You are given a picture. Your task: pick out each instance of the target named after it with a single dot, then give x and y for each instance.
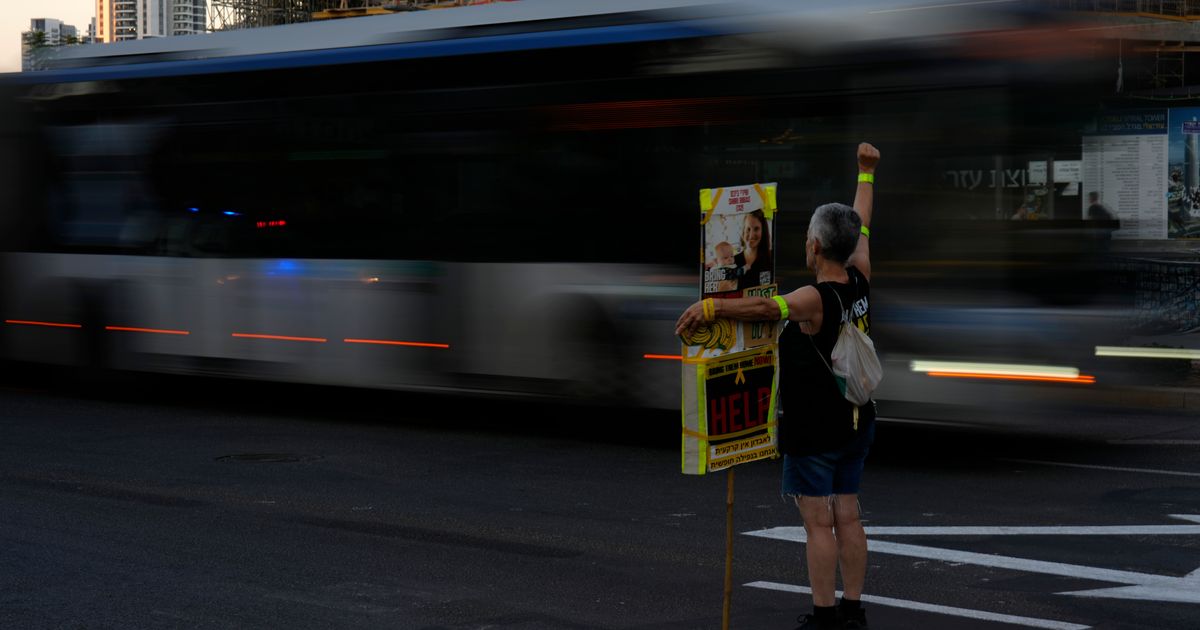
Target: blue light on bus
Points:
(193, 209)
(231, 213)
(285, 268)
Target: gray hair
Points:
(835, 226)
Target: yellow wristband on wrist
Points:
(865, 231)
(783, 307)
(868, 178)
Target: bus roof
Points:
(521, 25)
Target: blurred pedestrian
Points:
(825, 438)
(1097, 211)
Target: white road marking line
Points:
(796, 534)
(1158, 587)
(1046, 530)
(1175, 473)
(935, 608)
(1151, 593)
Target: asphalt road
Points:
(157, 503)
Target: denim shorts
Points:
(826, 474)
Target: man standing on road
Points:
(825, 439)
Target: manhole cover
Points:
(266, 458)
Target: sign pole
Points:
(730, 368)
(728, 552)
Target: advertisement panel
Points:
(1125, 169)
(1183, 177)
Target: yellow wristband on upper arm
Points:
(783, 307)
(865, 231)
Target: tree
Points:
(34, 39)
(34, 45)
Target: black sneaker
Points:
(810, 622)
(856, 620)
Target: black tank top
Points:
(817, 418)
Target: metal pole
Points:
(998, 182)
(728, 552)
(1050, 187)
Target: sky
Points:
(15, 16)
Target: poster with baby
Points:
(738, 250)
(729, 368)
(738, 260)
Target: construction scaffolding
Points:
(235, 14)
(1159, 33)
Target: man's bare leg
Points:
(851, 544)
(822, 548)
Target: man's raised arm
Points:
(864, 201)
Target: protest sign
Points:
(730, 375)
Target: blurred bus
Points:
(501, 200)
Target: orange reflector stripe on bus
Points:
(24, 322)
(387, 342)
(1082, 378)
(280, 337)
(667, 357)
(147, 330)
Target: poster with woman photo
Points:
(737, 246)
(737, 241)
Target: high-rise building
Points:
(122, 20)
(44, 33)
(189, 17)
(52, 29)
(116, 20)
